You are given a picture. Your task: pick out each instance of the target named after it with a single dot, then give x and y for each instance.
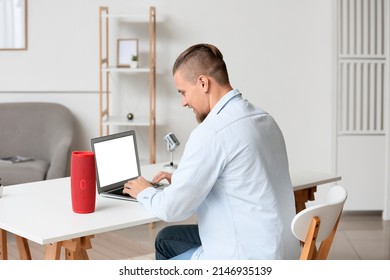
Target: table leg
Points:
(303, 196)
(53, 251)
(86, 244)
(72, 249)
(3, 245)
(23, 248)
(75, 249)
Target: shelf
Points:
(129, 18)
(126, 70)
(108, 91)
(132, 18)
(120, 120)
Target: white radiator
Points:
(361, 66)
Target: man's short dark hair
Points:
(202, 59)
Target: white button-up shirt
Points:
(234, 175)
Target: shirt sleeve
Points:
(198, 170)
(145, 197)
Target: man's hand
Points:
(161, 176)
(135, 186)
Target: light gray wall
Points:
(279, 54)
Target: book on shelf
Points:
(15, 159)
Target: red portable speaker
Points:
(83, 181)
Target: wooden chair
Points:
(318, 224)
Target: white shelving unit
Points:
(106, 69)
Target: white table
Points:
(42, 212)
(305, 184)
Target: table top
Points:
(303, 179)
(42, 211)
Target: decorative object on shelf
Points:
(127, 48)
(134, 62)
(172, 143)
(130, 116)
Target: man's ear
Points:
(203, 83)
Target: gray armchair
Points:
(42, 131)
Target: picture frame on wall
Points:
(13, 25)
(127, 49)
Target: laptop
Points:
(117, 161)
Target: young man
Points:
(233, 173)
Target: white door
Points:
(362, 78)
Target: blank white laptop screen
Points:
(116, 160)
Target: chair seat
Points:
(23, 172)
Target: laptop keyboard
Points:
(120, 190)
(157, 185)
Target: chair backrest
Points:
(40, 130)
(318, 223)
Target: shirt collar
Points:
(223, 102)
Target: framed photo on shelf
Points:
(127, 51)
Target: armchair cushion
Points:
(23, 172)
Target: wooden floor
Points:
(360, 236)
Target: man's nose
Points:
(184, 102)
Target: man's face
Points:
(194, 96)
